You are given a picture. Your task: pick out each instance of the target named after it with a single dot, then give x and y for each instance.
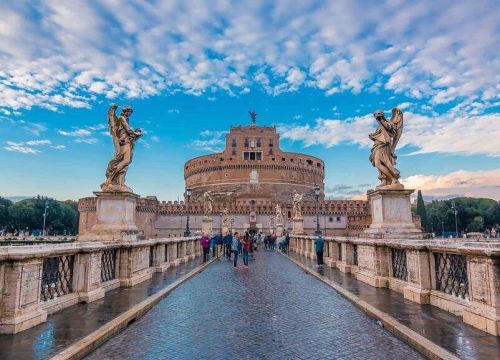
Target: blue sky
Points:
(317, 70)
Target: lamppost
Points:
(45, 216)
(317, 192)
(189, 191)
(455, 211)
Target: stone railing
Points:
(453, 274)
(38, 280)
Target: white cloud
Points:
(212, 141)
(438, 51)
(75, 133)
(173, 111)
(463, 183)
(30, 147)
(89, 140)
(20, 148)
(155, 138)
(448, 134)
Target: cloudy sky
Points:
(190, 69)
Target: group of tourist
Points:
(244, 245)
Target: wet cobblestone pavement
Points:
(272, 311)
(439, 326)
(65, 327)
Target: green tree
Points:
(477, 224)
(5, 204)
(421, 211)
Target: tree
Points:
(5, 204)
(421, 211)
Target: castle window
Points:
(252, 155)
(270, 151)
(271, 143)
(233, 143)
(233, 152)
(246, 142)
(318, 165)
(338, 218)
(258, 142)
(309, 162)
(330, 219)
(282, 159)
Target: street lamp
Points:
(45, 216)
(189, 191)
(317, 192)
(455, 211)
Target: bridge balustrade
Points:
(38, 280)
(457, 275)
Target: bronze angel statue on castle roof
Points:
(383, 154)
(124, 138)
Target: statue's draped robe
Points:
(123, 137)
(381, 155)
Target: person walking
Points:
(205, 245)
(319, 244)
(287, 242)
(247, 243)
(235, 245)
(228, 239)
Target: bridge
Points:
(90, 301)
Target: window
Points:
(270, 151)
(246, 142)
(252, 155)
(338, 218)
(271, 143)
(309, 162)
(318, 165)
(233, 142)
(330, 219)
(258, 142)
(233, 152)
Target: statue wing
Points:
(397, 123)
(112, 122)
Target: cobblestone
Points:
(271, 311)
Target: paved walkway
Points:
(439, 326)
(272, 311)
(71, 324)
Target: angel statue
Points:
(383, 155)
(208, 202)
(297, 205)
(123, 140)
(279, 216)
(225, 217)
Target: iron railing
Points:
(355, 254)
(108, 265)
(451, 274)
(399, 267)
(57, 277)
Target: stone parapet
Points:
(456, 275)
(38, 280)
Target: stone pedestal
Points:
(391, 214)
(115, 218)
(279, 230)
(298, 226)
(88, 277)
(20, 296)
(134, 266)
(207, 225)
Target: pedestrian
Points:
(287, 242)
(228, 239)
(235, 245)
(266, 242)
(213, 240)
(247, 243)
(319, 244)
(205, 245)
